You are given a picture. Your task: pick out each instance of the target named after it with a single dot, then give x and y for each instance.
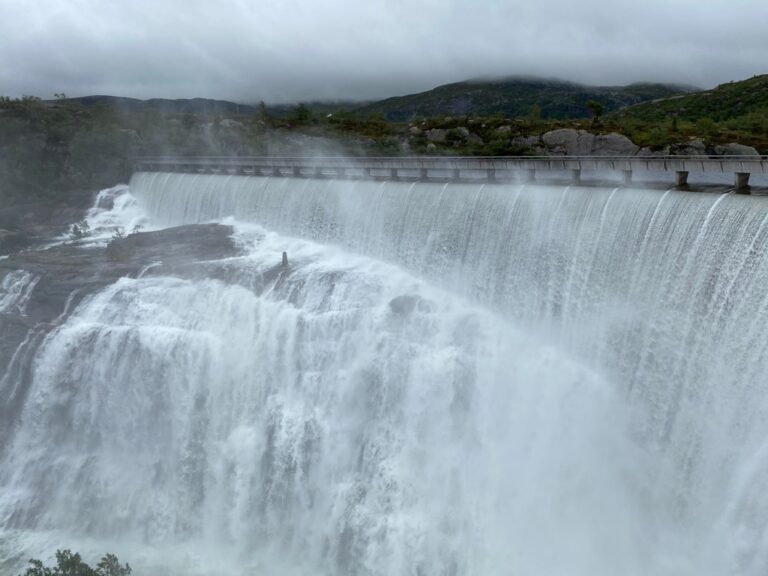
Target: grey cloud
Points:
(302, 49)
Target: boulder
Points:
(694, 147)
(613, 145)
(736, 149)
(570, 142)
(437, 135)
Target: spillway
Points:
(447, 379)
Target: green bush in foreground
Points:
(69, 564)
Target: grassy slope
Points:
(725, 102)
(515, 98)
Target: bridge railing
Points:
(455, 167)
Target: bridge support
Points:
(681, 178)
(576, 176)
(741, 182)
(626, 176)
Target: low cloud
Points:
(290, 50)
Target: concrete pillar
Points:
(681, 178)
(456, 174)
(576, 176)
(491, 174)
(741, 182)
(423, 174)
(627, 176)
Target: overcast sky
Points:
(290, 50)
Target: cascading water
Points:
(446, 379)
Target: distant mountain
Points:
(197, 106)
(516, 97)
(725, 102)
(202, 106)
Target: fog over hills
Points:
(511, 97)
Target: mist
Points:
(302, 50)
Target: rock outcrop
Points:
(571, 142)
(736, 149)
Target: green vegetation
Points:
(515, 97)
(69, 564)
(65, 148)
(732, 112)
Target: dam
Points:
(455, 169)
(447, 377)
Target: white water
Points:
(15, 291)
(451, 379)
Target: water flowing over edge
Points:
(606, 395)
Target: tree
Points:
(69, 564)
(535, 114)
(595, 108)
(302, 115)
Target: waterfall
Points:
(446, 379)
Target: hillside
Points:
(726, 102)
(197, 106)
(515, 98)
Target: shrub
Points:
(69, 564)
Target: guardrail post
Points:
(741, 181)
(576, 176)
(681, 178)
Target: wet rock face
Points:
(72, 268)
(39, 288)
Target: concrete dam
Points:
(449, 376)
